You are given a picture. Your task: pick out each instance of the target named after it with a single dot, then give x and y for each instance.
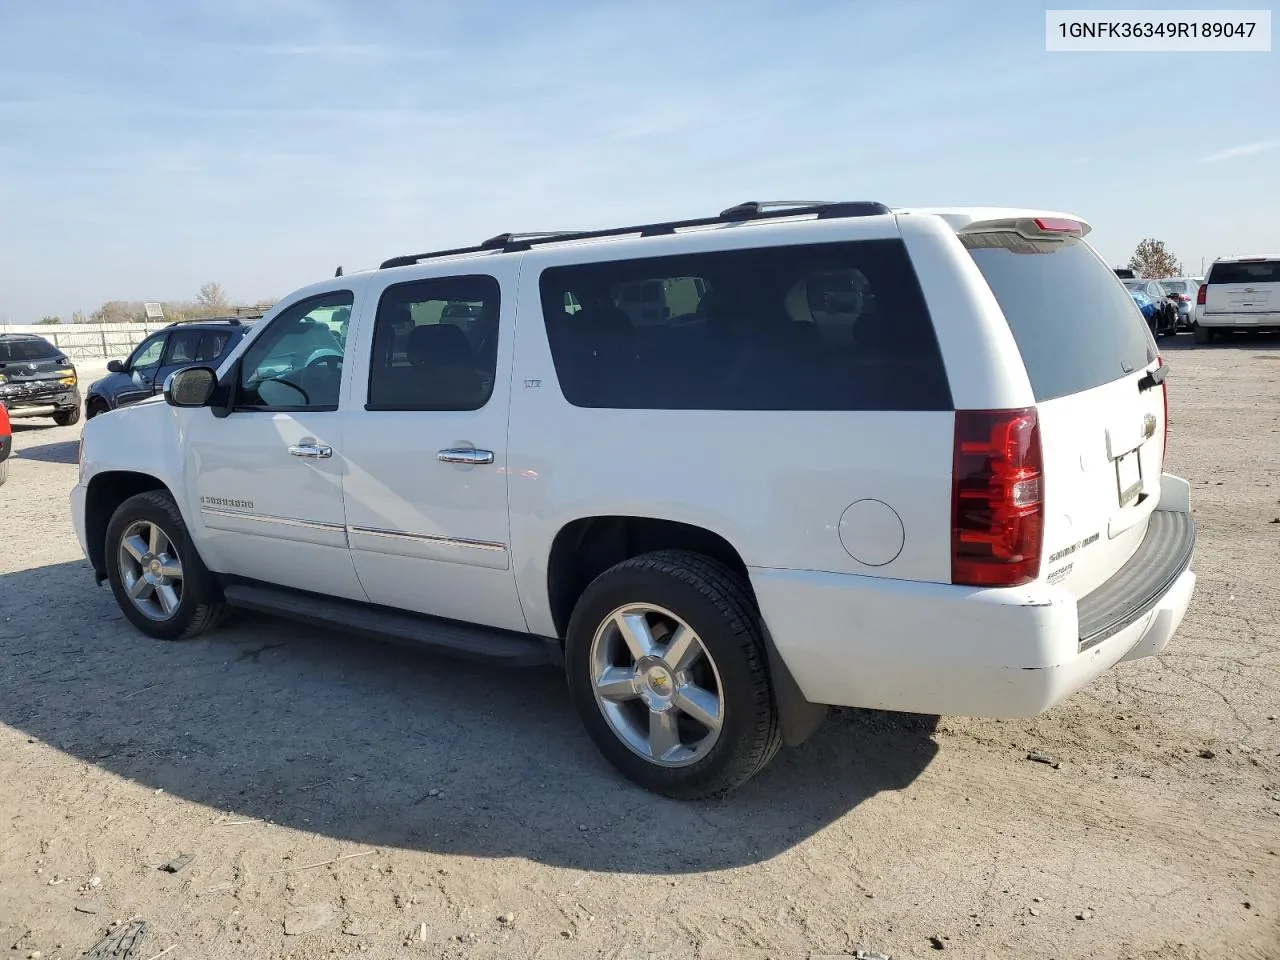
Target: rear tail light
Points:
(1200, 294)
(997, 498)
(1059, 225)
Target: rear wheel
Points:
(668, 670)
(4, 470)
(158, 578)
(65, 418)
(1202, 334)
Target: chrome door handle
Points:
(465, 455)
(313, 451)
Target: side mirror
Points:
(115, 366)
(190, 387)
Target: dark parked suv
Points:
(37, 379)
(178, 345)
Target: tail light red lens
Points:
(997, 498)
(1200, 294)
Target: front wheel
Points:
(158, 578)
(668, 670)
(66, 418)
(96, 407)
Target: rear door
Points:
(1087, 352)
(1249, 290)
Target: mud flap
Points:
(800, 719)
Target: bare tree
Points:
(79, 317)
(50, 320)
(1152, 261)
(211, 300)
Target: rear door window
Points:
(435, 345)
(839, 326)
(183, 347)
(1252, 271)
(212, 343)
(1075, 324)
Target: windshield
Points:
(1073, 324)
(22, 351)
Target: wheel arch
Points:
(105, 492)
(586, 547)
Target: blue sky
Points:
(148, 147)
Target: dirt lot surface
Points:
(342, 799)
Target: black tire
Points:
(200, 607)
(67, 418)
(716, 603)
(4, 470)
(95, 407)
(1203, 335)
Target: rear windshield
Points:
(1176, 286)
(1258, 271)
(20, 351)
(1075, 324)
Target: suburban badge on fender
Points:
(1148, 426)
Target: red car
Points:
(6, 443)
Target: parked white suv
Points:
(859, 456)
(1238, 293)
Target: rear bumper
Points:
(940, 649)
(1238, 321)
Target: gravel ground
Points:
(342, 799)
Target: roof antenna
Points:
(338, 272)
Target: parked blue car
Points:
(176, 346)
(1152, 312)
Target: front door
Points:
(267, 478)
(142, 368)
(426, 488)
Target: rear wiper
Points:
(1153, 379)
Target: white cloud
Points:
(1242, 150)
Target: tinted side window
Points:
(212, 344)
(435, 345)
(183, 346)
(1257, 271)
(1075, 325)
(819, 327)
(296, 362)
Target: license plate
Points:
(1129, 477)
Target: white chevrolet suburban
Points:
(1238, 293)
(851, 455)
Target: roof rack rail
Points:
(751, 210)
(231, 321)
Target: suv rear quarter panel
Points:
(775, 484)
(983, 363)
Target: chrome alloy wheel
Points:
(150, 570)
(656, 684)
